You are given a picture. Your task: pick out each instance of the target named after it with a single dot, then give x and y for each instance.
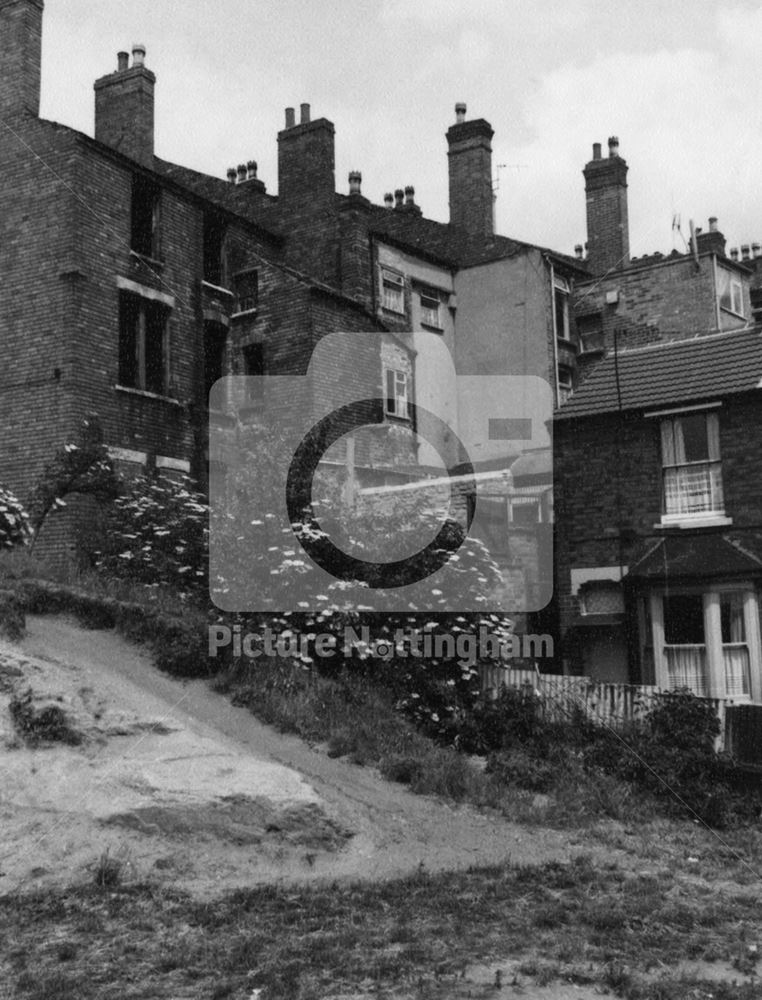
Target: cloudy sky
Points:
(676, 80)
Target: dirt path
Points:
(180, 786)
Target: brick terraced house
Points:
(659, 546)
(133, 283)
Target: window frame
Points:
(671, 465)
(146, 200)
(431, 318)
(730, 299)
(245, 302)
(396, 280)
(715, 675)
(133, 372)
(394, 396)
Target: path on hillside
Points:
(183, 787)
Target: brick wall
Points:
(21, 33)
(671, 298)
(607, 218)
(470, 176)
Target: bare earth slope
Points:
(181, 786)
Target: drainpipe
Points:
(555, 331)
(714, 288)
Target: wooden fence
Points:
(562, 698)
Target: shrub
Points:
(157, 536)
(671, 755)
(14, 521)
(41, 723)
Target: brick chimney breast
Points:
(470, 173)
(20, 57)
(124, 108)
(608, 236)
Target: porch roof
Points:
(673, 372)
(695, 557)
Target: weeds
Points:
(305, 943)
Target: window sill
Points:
(244, 314)
(401, 314)
(143, 258)
(732, 312)
(211, 287)
(132, 391)
(432, 328)
(707, 520)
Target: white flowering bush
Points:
(158, 536)
(14, 521)
(414, 653)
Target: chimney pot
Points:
(734, 253)
(745, 252)
(290, 117)
(122, 61)
(712, 223)
(756, 250)
(460, 112)
(232, 174)
(613, 146)
(305, 113)
(241, 173)
(410, 194)
(251, 170)
(389, 199)
(596, 151)
(399, 198)
(578, 251)
(355, 182)
(138, 56)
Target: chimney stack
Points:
(712, 241)
(20, 57)
(232, 175)
(124, 101)
(306, 159)
(470, 169)
(389, 200)
(399, 198)
(608, 234)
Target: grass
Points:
(411, 937)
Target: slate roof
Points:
(680, 371)
(441, 242)
(241, 200)
(449, 244)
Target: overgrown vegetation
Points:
(581, 923)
